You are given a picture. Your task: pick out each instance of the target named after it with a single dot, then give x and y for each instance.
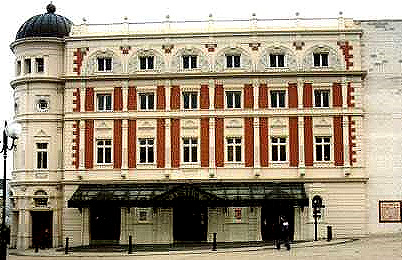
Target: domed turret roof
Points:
(45, 25)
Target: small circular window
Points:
(43, 105)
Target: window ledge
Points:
(324, 164)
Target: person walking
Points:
(283, 234)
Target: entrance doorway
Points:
(42, 222)
(270, 219)
(105, 225)
(190, 223)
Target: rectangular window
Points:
(147, 101)
(321, 98)
(189, 62)
(104, 151)
(104, 64)
(277, 60)
(41, 155)
(278, 145)
(18, 72)
(190, 100)
(146, 150)
(147, 63)
(322, 149)
(104, 102)
(320, 59)
(40, 65)
(190, 150)
(27, 66)
(233, 61)
(278, 98)
(233, 99)
(233, 149)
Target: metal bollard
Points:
(329, 233)
(214, 243)
(66, 248)
(130, 244)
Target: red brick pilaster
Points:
(350, 95)
(132, 98)
(293, 141)
(118, 99)
(338, 140)
(117, 143)
(76, 144)
(175, 142)
(248, 96)
(352, 140)
(204, 97)
(249, 141)
(89, 99)
(89, 144)
(132, 144)
(337, 95)
(264, 142)
(204, 142)
(219, 143)
(161, 145)
(263, 96)
(77, 100)
(346, 51)
(160, 98)
(175, 98)
(219, 99)
(293, 97)
(78, 58)
(308, 141)
(308, 95)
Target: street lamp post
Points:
(12, 131)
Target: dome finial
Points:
(51, 8)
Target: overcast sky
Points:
(16, 12)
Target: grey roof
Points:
(45, 25)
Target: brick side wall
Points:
(118, 99)
(293, 142)
(175, 142)
(77, 100)
(308, 141)
(76, 144)
(160, 98)
(264, 155)
(204, 97)
(132, 144)
(161, 143)
(132, 98)
(175, 98)
(248, 96)
(307, 95)
(249, 141)
(293, 98)
(338, 140)
(89, 99)
(219, 96)
(204, 142)
(337, 95)
(219, 143)
(263, 96)
(89, 144)
(117, 143)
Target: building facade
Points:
(178, 131)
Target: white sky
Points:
(16, 12)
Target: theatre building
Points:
(172, 131)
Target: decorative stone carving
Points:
(334, 60)
(245, 59)
(91, 67)
(202, 59)
(290, 58)
(134, 61)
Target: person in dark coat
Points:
(284, 233)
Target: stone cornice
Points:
(24, 80)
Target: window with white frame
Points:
(39, 65)
(277, 60)
(147, 101)
(320, 59)
(104, 102)
(104, 151)
(233, 61)
(278, 149)
(27, 66)
(189, 61)
(322, 148)
(190, 100)
(233, 146)
(278, 98)
(321, 98)
(104, 64)
(146, 150)
(41, 156)
(233, 99)
(190, 150)
(147, 63)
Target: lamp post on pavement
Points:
(13, 131)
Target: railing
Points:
(199, 26)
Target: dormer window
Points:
(189, 62)
(320, 59)
(147, 63)
(104, 64)
(233, 61)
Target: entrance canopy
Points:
(213, 194)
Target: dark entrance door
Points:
(190, 223)
(270, 218)
(42, 222)
(105, 225)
